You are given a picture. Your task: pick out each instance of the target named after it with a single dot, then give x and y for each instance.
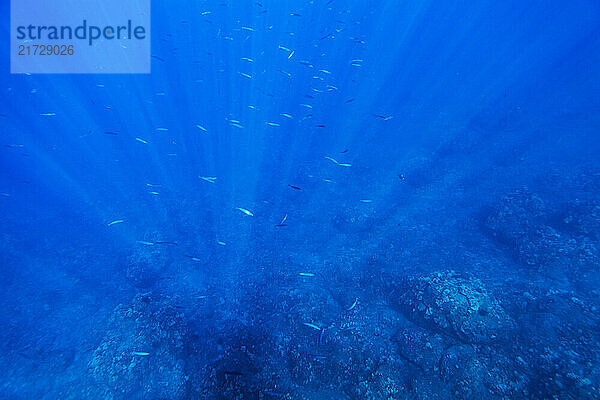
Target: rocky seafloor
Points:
(509, 311)
(371, 334)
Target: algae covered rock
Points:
(459, 306)
(140, 356)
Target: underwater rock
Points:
(473, 375)
(455, 305)
(250, 363)
(463, 369)
(232, 354)
(140, 356)
(466, 358)
(560, 257)
(523, 222)
(566, 372)
(542, 246)
(421, 347)
(386, 383)
(583, 218)
(519, 213)
(309, 394)
(145, 266)
(562, 346)
(291, 338)
(557, 255)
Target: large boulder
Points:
(456, 305)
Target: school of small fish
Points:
(293, 59)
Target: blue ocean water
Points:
(323, 199)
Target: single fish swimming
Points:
(312, 326)
(117, 221)
(247, 212)
(353, 305)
